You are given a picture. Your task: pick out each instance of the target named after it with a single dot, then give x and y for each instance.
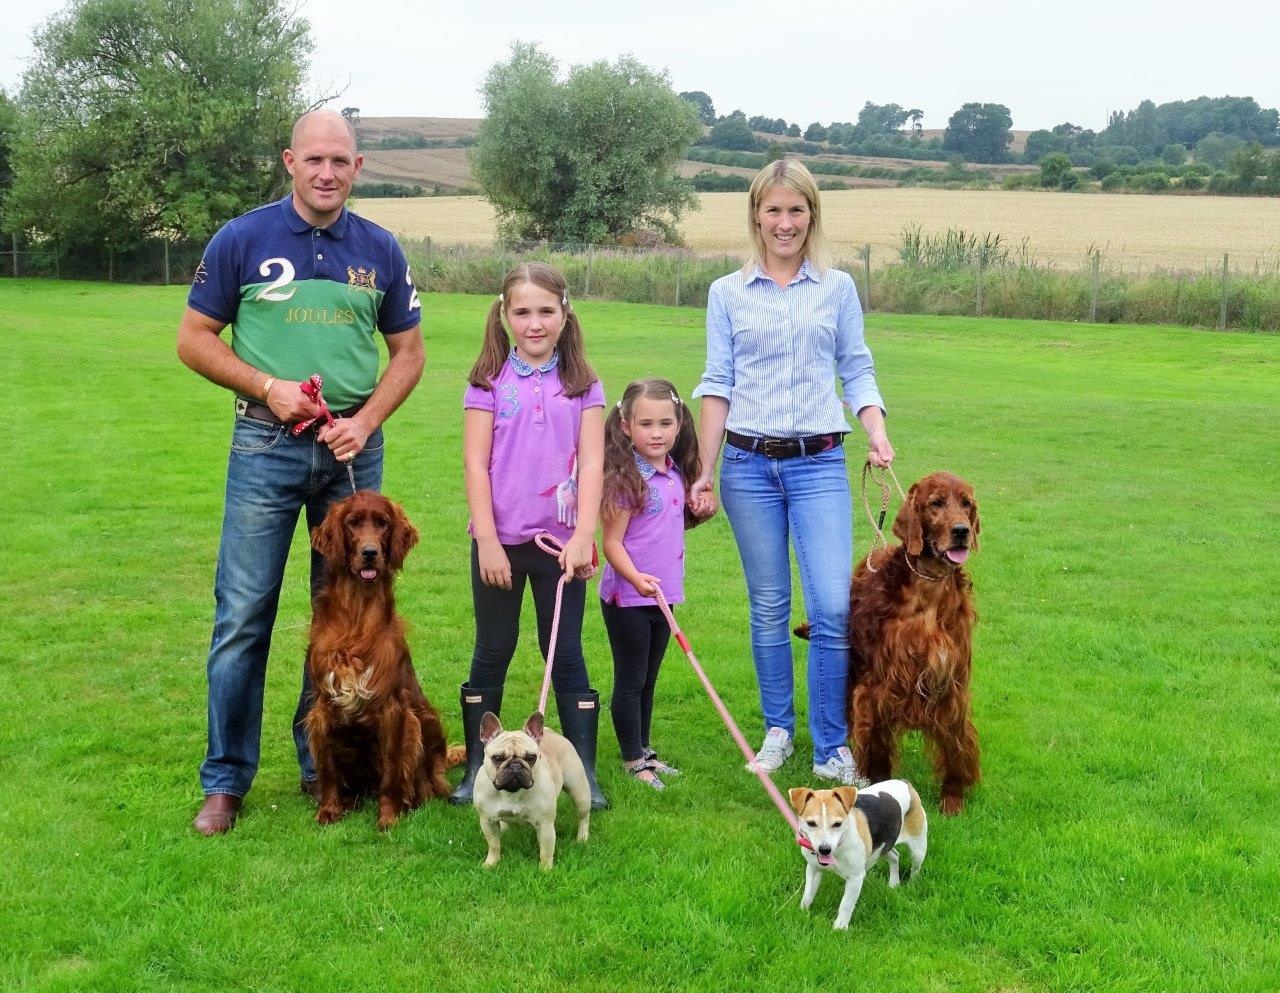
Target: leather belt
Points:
(261, 412)
(785, 448)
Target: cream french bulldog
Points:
(521, 779)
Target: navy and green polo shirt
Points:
(302, 300)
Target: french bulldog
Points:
(521, 779)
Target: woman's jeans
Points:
(804, 500)
(271, 477)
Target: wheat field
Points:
(1133, 232)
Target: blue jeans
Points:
(271, 477)
(771, 503)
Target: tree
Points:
(587, 159)
(1216, 148)
(1041, 143)
(8, 127)
(733, 134)
(143, 117)
(352, 114)
(1173, 154)
(980, 132)
(700, 100)
(815, 132)
(1055, 168)
(886, 118)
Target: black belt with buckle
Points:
(785, 448)
(261, 412)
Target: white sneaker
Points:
(776, 750)
(839, 767)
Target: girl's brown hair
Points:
(625, 491)
(576, 374)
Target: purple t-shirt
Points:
(533, 464)
(654, 539)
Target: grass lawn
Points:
(1124, 838)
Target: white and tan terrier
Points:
(847, 830)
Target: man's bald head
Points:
(320, 120)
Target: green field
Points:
(1124, 839)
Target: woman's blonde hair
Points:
(792, 175)
(576, 374)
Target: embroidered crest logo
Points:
(201, 273)
(362, 278)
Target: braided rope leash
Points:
(769, 786)
(312, 389)
(877, 523)
(551, 545)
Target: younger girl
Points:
(533, 452)
(651, 452)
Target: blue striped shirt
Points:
(771, 351)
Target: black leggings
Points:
(498, 620)
(638, 637)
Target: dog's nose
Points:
(960, 532)
(824, 849)
(370, 552)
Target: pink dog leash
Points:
(312, 389)
(549, 544)
(765, 781)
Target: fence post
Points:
(1222, 310)
(1093, 289)
(426, 276)
(679, 273)
(586, 290)
(977, 287)
(866, 277)
(166, 261)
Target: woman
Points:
(776, 331)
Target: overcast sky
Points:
(803, 62)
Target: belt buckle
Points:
(773, 448)
(242, 407)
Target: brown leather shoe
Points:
(311, 787)
(218, 815)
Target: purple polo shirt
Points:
(654, 539)
(533, 464)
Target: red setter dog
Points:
(372, 730)
(911, 623)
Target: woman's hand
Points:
(702, 496)
(495, 567)
(879, 451)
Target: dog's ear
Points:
(974, 521)
(328, 539)
(533, 727)
(403, 536)
(490, 726)
(847, 795)
(907, 526)
(799, 797)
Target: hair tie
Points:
(675, 399)
(619, 406)
(500, 300)
(564, 297)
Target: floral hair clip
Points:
(675, 399)
(500, 300)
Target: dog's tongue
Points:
(958, 555)
(368, 573)
(824, 859)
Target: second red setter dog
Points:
(372, 731)
(911, 620)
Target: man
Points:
(304, 284)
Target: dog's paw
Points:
(329, 814)
(952, 804)
(491, 861)
(840, 925)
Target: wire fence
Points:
(951, 274)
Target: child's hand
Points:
(646, 585)
(704, 505)
(495, 567)
(576, 555)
